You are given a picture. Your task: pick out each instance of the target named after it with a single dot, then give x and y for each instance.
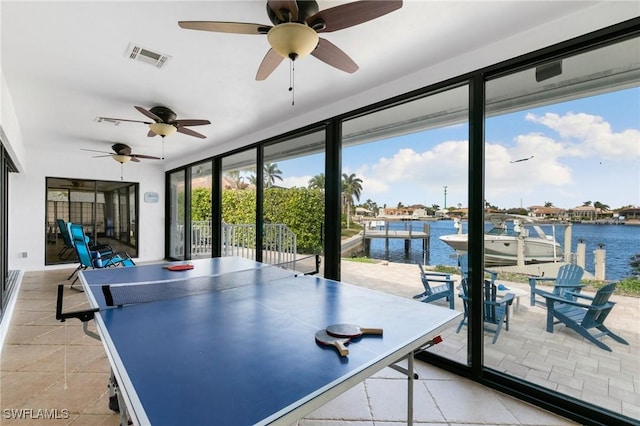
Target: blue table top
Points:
(248, 355)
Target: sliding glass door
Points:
(562, 157)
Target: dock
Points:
(407, 235)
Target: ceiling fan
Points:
(296, 25)
(164, 122)
(122, 154)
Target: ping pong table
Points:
(239, 348)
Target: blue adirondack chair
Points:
(583, 317)
(566, 284)
(463, 262)
(443, 287)
(495, 310)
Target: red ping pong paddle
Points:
(351, 330)
(179, 267)
(339, 343)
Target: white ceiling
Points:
(64, 64)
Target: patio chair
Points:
(442, 289)
(77, 232)
(582, 317)
(566, 284)
(94, 259)
(66, 240)
(495, 311)
(463, 263)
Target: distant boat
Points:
(501, 241)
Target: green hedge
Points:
(300, 209)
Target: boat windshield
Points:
(498, 230)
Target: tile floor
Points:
(51, 369)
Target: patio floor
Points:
(46, 365)
(562, 361)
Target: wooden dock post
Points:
(386, 239)
(567, 243)
(407, 242)
(426, 246)
(600, 262)
(581, 249)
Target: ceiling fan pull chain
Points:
(163, 147)
(292, 80)
(121, 171)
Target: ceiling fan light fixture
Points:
(293, 40)
(121, 158)
(163, 129)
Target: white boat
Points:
(501, 241)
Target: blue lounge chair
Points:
(565, 284)
(443, 288)
(76, 232)
(66, 239)
(94, 259)
(583, 317)
(495, 311)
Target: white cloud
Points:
(587, 135)
(567, 167)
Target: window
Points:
(293, 202)
(106, 210)
(239, 183)
(562, 145)
(404, 169)
(176, 215)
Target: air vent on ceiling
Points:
(142, 54)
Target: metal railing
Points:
(279, 242)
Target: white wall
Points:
(10, 130)
(27, 230)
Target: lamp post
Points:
(445, 197)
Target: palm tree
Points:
(586, 203)
(351, 187)
(598, 206)
(317, 182)
(548, 204)
(271, 173)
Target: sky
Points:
(582, 150)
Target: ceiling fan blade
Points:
(149, 114)
(95, 150)
(122, 119)
(278, 6)
(134, 159)
(269, 63)
(151, 133)
(190, 132)
(191, 122)
(101, 156)
(148, 157)
(329, 53)
(225, 27)
(351, 14)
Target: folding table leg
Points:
(410, 376)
